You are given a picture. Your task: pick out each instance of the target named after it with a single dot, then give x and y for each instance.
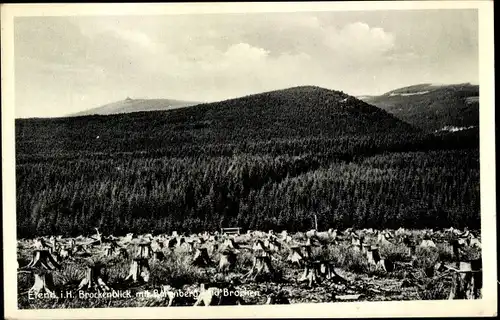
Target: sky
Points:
(69, 64)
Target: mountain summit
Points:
(297, 111)
(136, 105)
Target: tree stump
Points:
(42, 264)
(310, 274)
(374, 259)
(190, 248)
(261, 268)
(231, 245)
(158, 256)
(295, 257)
(272, 245)
(156, 246)
(139, 270)
(123, 254)
(325, 270)
(40, 244)
(373, 255)
(108, 251)
(180, 241)
(213, 248)
(64, 253)
(42, 259)
(306, 252)
(258, 245)
(365, 247)
(93, 280)
(201, 257)
(357, 243)
(227, 261)
(143, 251)
(44, 283)
(411, 251)
(427, 242)
(171, 243)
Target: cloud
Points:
(213, 57)
(358, 41)
(244, 51)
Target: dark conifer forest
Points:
(265, 161)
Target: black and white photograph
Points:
(174, 156)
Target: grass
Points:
(178, 271)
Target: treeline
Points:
(420, 189)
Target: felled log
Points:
(80, 251)
(311, 233)
(347, 297)
(93, 280)
(139, 270)
(201, 257)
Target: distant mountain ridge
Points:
(136, 105)
(432, 107)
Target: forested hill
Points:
(265, 161)
(295, 113)
(432, 107)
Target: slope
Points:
(136, 105)
(282, 115)
(432, 107)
